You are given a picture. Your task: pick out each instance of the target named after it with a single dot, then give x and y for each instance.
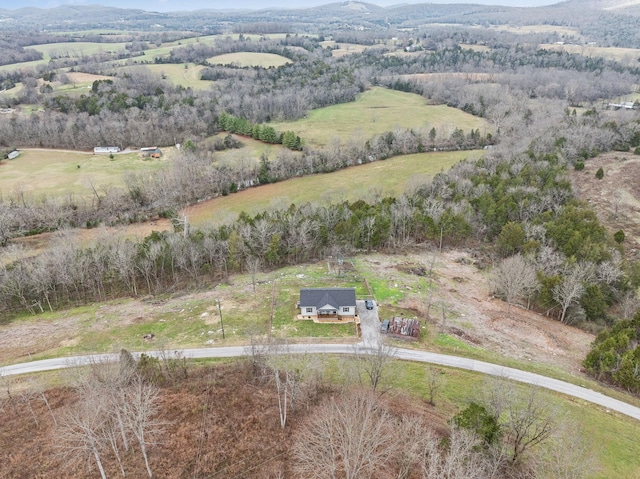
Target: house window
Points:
(309, 310)
(345, 309)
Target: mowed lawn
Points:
(58, 172)
(377, 111)
(389, 177)
(250, 59)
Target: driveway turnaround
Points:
(403, 354)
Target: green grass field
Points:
(53, 172)
(250, 59)
(76, 49)
(377, 111)
(613, 438)
(389, 177)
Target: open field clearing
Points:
(626, 56)
(342, 49)
(474, 47)
(76, 49)
(250, 59)
(466, 76)
(250, 152)
(526, 29)
(389, 177)
(52, 172)
(12, 91)
(377, 111)
(186, 75)
(615, 198)
(23, 65)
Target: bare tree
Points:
(513, 279)
(288, 372)
(80, 431)
(347, 437)
(6, 396)
(39, 387)
(568, 455)
(373, 365)
(434, 378)
(140, 402)
(528, 421)
(253, 265)
(629, 304)
(569, 290)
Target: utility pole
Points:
(221, 323)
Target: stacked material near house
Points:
(404, 327)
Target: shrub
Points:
(600, 173)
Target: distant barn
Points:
(151, 151)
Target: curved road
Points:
(404, 354)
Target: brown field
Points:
(615, 198)
(80, 77)
(342, 49)
(468, 77)
(475, 48)
(526, 29)
(627, 56)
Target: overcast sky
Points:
(172, 5)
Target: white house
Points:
(328, 304)
(106, 149)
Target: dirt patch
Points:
(616, 197)
(476, 318)
(79, 77)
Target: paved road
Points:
(404, 354)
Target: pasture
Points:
(342, 49)
(377, 111)
(527, 29)
(52, 172)
(76, 49)
(250, 151)
(250, 59)
(387, 177)
(184, 74)
(626, 56)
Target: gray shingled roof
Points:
(319, 297)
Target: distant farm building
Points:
(151, 152)
(106, 149)
(404, 328)
(627, 105)
(13, 154)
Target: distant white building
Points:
(106, 149)
(13, 154)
